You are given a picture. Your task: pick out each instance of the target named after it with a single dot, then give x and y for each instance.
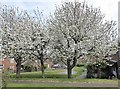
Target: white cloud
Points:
(109, 7)
(31, 1)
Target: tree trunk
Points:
(69, 69)
(42, 68)
(18, 66)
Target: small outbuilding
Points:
(111, 69)
(103, 69)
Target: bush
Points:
(89, 70)
(97, 69)
(29, 68)
(5, 78)
(80, 65)
(45, 66)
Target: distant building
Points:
(35, 65)
(49, 63)
(8, 64)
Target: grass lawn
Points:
(55, 76)
(49, 73)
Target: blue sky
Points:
(108, 7)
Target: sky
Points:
(108, 7)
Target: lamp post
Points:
(119, 26)
(119, 39)
(1, 66)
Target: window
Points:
(11, 60)
(1, 66)
(11, 67)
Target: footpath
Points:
(66, 84)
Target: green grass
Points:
(49, 73)
(33, 75)
(54, 76)
(79, 71)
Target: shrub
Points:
(89, 70)
(5, 78)
(80, 65)
(45, 66)
(29, 68)
(97, 68)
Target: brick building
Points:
(9, 64)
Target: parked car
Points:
(56, 66)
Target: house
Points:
(30, 65)
(35, 65)
(8, 64)
(112, 69)
(49, 63)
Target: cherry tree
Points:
(13, 25)
(102, 42)
(71, 26)
(24, 36)
(38, 39)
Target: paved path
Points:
(0, 78)
(67, 84)
(65, 72)
(83, 76)
(78, 77)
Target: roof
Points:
(111, 62)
